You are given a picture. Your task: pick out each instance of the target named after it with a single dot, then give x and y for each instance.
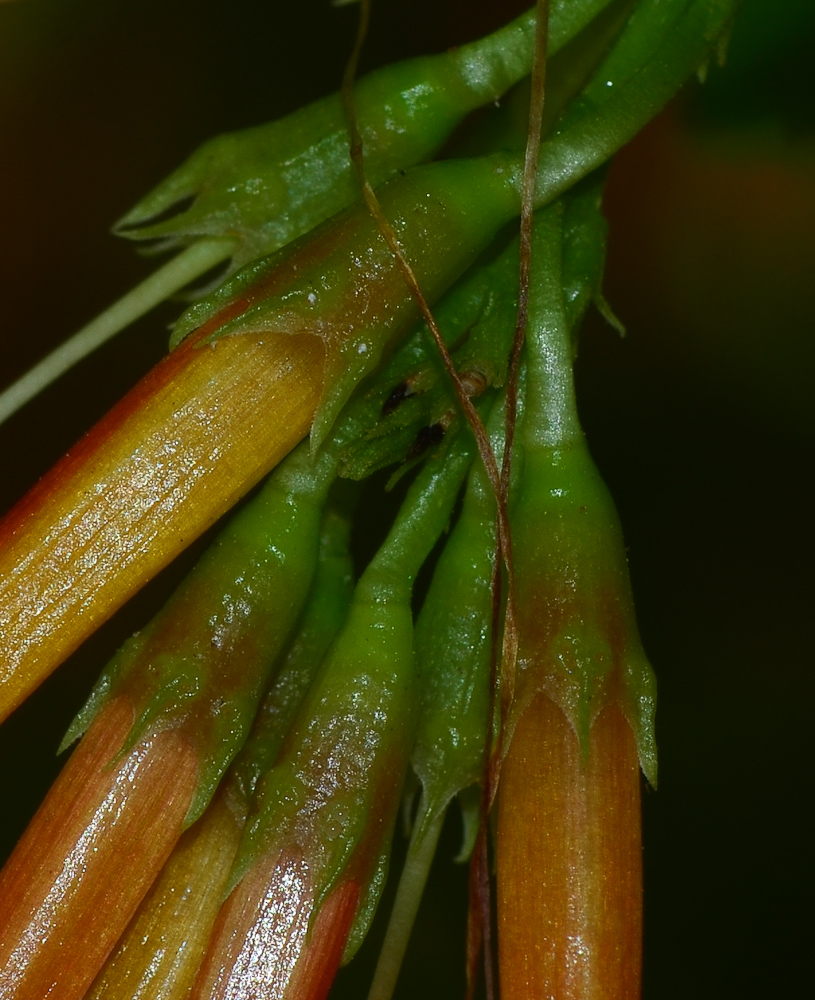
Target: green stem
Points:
(551, 407)
(180, 271)
(421, 519)
(421, 851)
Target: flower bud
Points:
(568, 838)
(268, 185)
(159, 954)
(315, 847)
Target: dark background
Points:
(701, 419)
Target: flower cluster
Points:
(223, 827)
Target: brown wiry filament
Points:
(503, 680)
(479, 925)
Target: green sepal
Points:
(368, 903)
(101, 691)
(477, 320)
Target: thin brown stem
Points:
(510, 639)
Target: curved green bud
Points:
(268, 185)
(453, 646)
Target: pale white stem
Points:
(180, 271)
(408, 896)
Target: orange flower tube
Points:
(268, 942)
(70, 886)
(176, 453)
(159, 953)
(581, 722)
(570, 860)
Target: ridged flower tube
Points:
(568, 835)
(314, 855)
(63, 899)
(158, 956)
(165, 720)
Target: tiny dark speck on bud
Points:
(402, 392)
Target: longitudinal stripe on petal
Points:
(89, 856)
(268, 942)
(569, 855)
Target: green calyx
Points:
(335, 784)
(577, 634)
(322, 617)
(203, 662)
(578, 637)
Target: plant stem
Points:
(160, 285)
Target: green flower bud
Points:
(577, 636)
(333, 794)
(268, 185)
